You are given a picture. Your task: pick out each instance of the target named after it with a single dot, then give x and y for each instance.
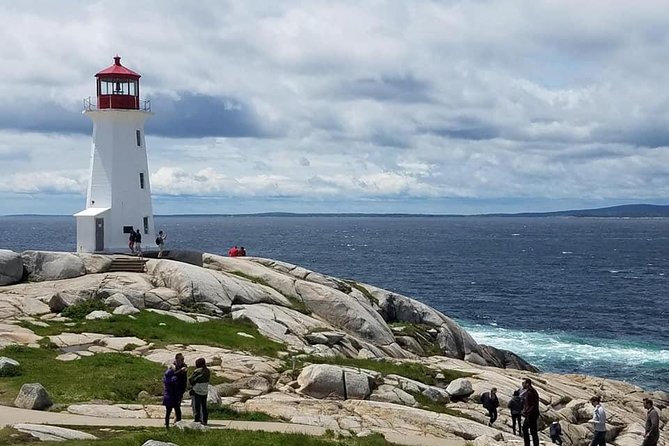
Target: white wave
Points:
(567, 252)
(540, 346)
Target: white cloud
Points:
(419, 100)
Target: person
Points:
(599, 422)
(515, 406)
(160, 241)
(652, 433)
(199, 381)
(138, 243)
(171, 395)
(490, 401)
(530, 413)
(181, 370)
(556, 432)
(233, 252)
(241, 252)
(131, 241)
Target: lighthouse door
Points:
(99, 234)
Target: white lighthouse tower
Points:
(119, 195)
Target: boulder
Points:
(505, 359)
(334, 382)
(157, 443)
(46, 265)
(125, 310)
(391, 394)
(63, 299)
(33, 396)
(98, 314)
(161, 298)
(191, 283)
(117, 300)
(460, 388)
(9, 366)
(95, 263)
(11, 267)
(437, 395)
(53, 433)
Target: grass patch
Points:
(411, 370)
(364, 291)
(79, 311)
(215, 437)
(420, 333)
(427, 404)
(107, 376)
(225, 413)
(147, 326)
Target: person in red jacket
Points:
(530, 412)
(233, 252)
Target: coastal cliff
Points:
(333, 335)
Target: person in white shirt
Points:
(599, 422)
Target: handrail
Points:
(90, 103)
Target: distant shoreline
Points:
(623, 211)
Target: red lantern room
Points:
(118, 87)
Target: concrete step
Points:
(128, 264)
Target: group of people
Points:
(236, 252)
(176, 381)
(525, 404)
(135, 242)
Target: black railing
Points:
(90, 103)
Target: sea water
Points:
(570, 295)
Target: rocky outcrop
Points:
(44, 265)
(33, 396)
(53, 433)
(11, 267)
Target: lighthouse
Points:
(118, 199)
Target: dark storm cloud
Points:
(387, 88)
(42, 118)
(188, 116)
(194, 115)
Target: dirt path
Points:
(12, 415)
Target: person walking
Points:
(556, 433)
(652, 433)
(599, 422)
(138, 243)
(530, 413)
(490, 401)
(160, 241)
(515, 406)
(199, 381)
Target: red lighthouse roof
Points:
(118, 70)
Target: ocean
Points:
(570, 295)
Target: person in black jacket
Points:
(530, 413)
(489, 401)
(515, 406)
(556, 433)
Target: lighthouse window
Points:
(141, 180)
(146, 225)
(138, 134)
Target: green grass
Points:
(147, 326)
(80, 310)
(427, 404)
(225, 413)
(215, 437)
(419, 333)
(107, 376)
(411, 370)
(364, 291)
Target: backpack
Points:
(159, 240)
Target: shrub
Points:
(80, 310)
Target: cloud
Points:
(350, 100)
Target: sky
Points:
(403, 106)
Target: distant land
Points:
(623, 211)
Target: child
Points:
(556, 432)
